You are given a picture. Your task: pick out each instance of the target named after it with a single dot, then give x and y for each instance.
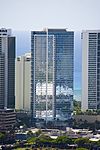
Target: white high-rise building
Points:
(23, 82)
(90, 70)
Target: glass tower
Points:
(52, 73)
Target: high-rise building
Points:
(23, 82)
(7, 69)
(90, 70)
(52, 73)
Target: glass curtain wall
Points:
(44, 78)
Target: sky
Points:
(27, 15)
(37, 14)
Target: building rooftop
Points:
(5, 32)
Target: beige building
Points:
(23, 82)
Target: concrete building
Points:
(7, 119)
(7, 69)
(86, 118)
(52, 73)
(90, 70)
(23, 82)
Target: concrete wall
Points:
(84, 71)
(88, 118)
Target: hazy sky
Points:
(37, 14)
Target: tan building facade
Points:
(23, 82)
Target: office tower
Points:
(52, 73)
(90, 70)
(7, 69)
(23, 82)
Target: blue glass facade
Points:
(52, 73)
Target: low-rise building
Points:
(87, 118)
(7, 119)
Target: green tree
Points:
(31, 140)
(82, 141)
(64, 140)
(39, 132)
(77, 106)
(2, 137)
(43, 139)
(30, 133)
(81, 148)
